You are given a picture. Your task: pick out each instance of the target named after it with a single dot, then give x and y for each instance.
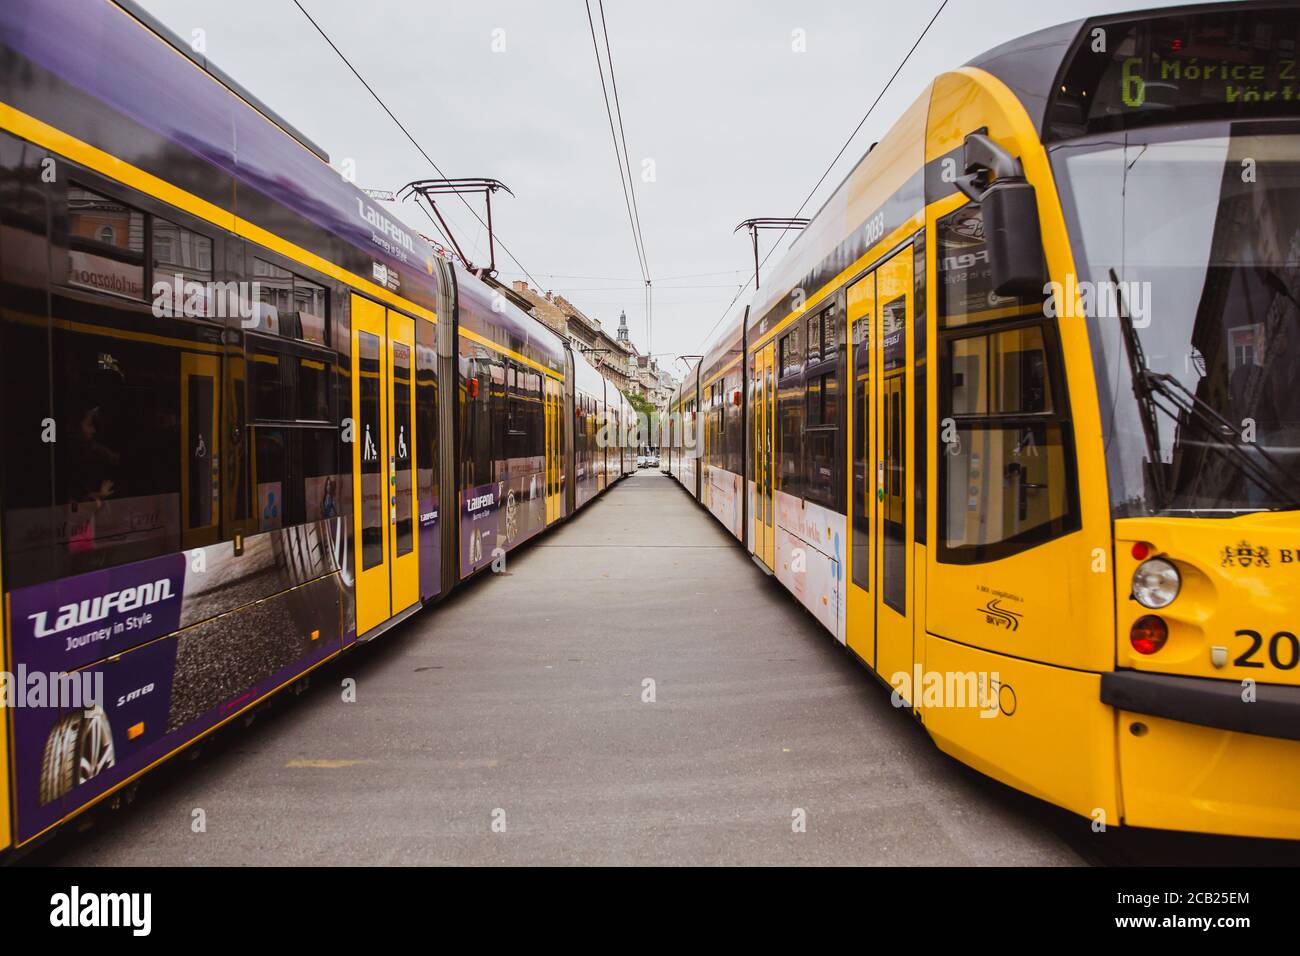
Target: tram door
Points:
(892, 421)
(860, 611)
(200, 462)
(880, 595)
(764, 507)
(383, 463)
(553, 405)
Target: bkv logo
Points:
(1245, 556)
(995, 614)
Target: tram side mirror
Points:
(1010, 211)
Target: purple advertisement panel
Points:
(430, 549)
(128, 712)
(502, 514)
(479, 509)
(63, 625)
(86, 749)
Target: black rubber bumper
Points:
(1275, 711)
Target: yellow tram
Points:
(1020, 424)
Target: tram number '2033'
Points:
(875, 228)
(1283, 650)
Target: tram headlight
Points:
(1156, 583)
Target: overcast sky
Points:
(737, 123)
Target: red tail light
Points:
(1149, 634)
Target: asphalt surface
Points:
(509, 726)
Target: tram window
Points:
(967, 361)
(920, 421)
(319, 479)
(965, 278)
(820, 484)
(791, 357)
(177, 251)
(296, 475)
(514, 417)
(1020, 360)
(105, 244)
(117, 463)
(1005, 486)
(270, 386)
(275, 292)
(270, 457)
(814, 338)
(368, 431)
(309, 299)
(427, 446)
(790, 437)
(1006, 476)
(817, 402)
(294, 307)
(517, 398)
(537, 415)
(1004, 373)
(476, 423)
(313, 390)
(287, 386)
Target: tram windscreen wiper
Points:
(1148, 386)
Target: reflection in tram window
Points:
(823, 475)
(117, 463)
(105, 244)
(313, 389)
(369, 427)
(270, 386)
(178, 251)
(862, 426)
(401, 449)
(1006, 476)
(270, 457)
(292, 306)
(1004, 484)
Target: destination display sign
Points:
(1223, 64)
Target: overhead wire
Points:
(822, 178)
(378, 99)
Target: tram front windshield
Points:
(1187, 243)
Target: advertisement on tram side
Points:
(479, 507)
(114, 669)
(430, 547)
(501, 514)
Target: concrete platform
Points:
(521, 700)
